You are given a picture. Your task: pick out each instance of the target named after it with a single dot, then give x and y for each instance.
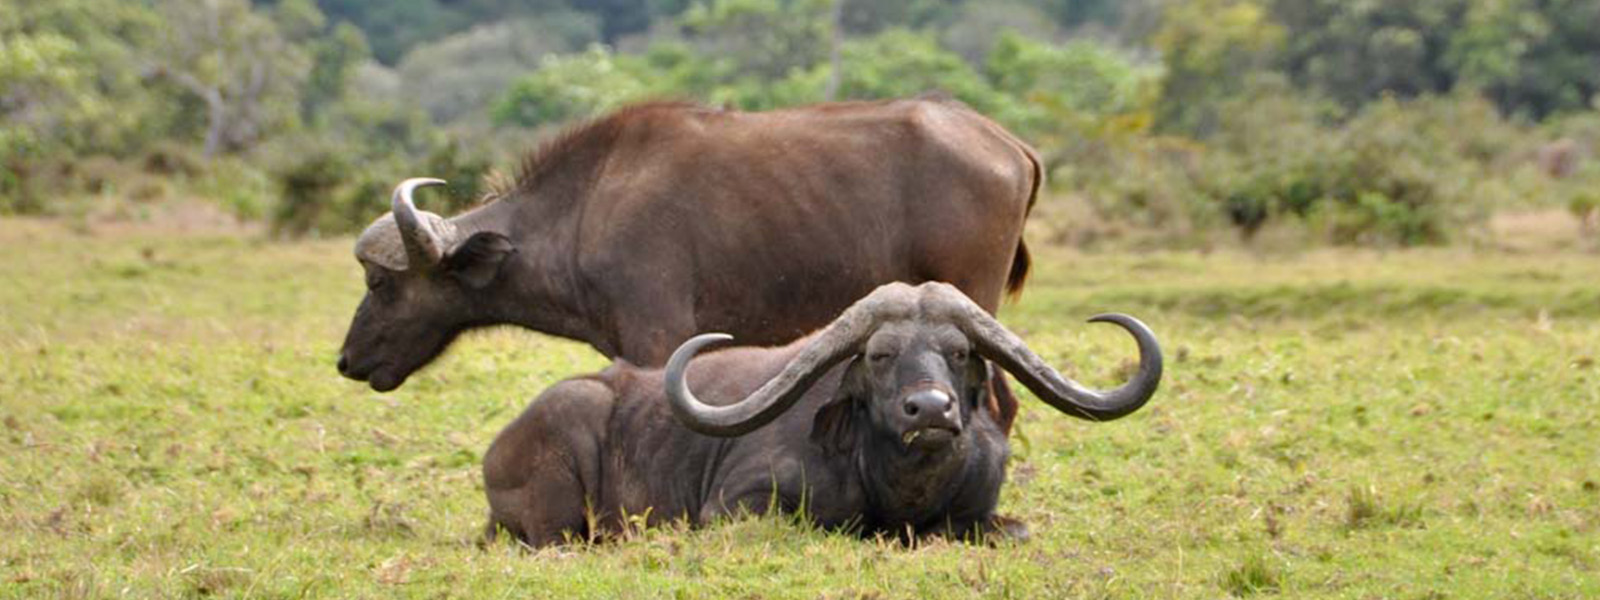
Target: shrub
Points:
(307, 189)
(1397, 173)
(1585, 207)
(240, 187)
(330, 190)
(171, 158)
(464, 173)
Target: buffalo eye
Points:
(880, 357)
(376, 281)
(958, 356)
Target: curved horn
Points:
(839, 340)
(996, 343)
(423, 247)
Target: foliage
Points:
(572, 86)
(394, 26)
(331, 189)
(1081, 76)
(1531, 57)
(763, 39)
(246, 74)
(333, 64)
(458, 76)
(1354, 52)
(900, 63)
(309, 187)
(1392, 174)
(1167, 120)
(980, 25)
(67, 85)
(1211, 48)
(866, 17)
(1527, 56)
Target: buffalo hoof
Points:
(993, 532)
(1002, 528)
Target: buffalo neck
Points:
(907, 486)
(536, 288)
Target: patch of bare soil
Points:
(172, 217)
(1537, 230)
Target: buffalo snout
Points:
(928, 416)
(354, 370)
(927, 402)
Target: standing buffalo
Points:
(639, 229)
(877, 422)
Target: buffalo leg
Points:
(542, 472)
(991, 530)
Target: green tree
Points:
(69, 77)
(70, 84)
(573, 86)
(1211, 48)
(1530, 56)
(1075, 98)
(334, 60)
(617, 17)
(866, 17)
(766, 39)
(393, 26)
(460, 75)
(901, 63)
(1083, 76)
(979, 25)
(1355, 51)
(236, 62)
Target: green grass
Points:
(1422, 424)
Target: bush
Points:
(240, 187)
(1585, 207)
(169, 158)
(1397, 173)
(307, 189)
(464, 173)
(330, 190)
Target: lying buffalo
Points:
(636, 231)
(878, 423)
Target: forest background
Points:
(1175, 124)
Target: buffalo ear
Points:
(834, 426)
(991, 393)
(476, 261)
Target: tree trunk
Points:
(835, 61)
(216, 124)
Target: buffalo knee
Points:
(542, 471)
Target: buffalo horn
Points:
(997, 344)
(423, 247)
(838, 341)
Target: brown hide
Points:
(642, 228)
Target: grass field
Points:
(1422, 424)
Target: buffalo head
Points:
(918, 362)
(422, 274)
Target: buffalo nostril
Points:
(933, 401)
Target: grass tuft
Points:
(1256, 574)
(1365, 508)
